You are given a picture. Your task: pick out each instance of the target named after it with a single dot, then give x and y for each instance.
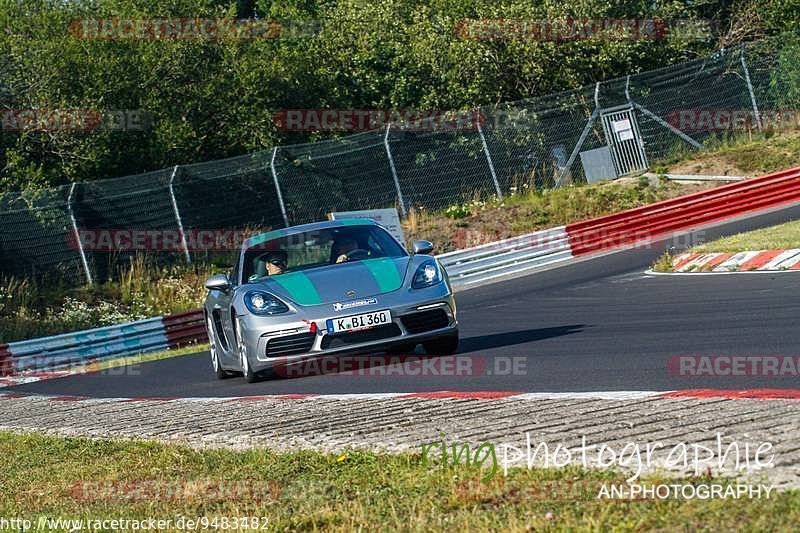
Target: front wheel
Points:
(247, 370)
(446, 345)
(219, 372)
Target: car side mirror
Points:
(219, 282)
(422, 247)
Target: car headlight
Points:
(263, 303)
(427, 274)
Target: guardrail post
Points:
(78, 235)
(756, 114)
(394, 171)
(278, 187)
(178, 215)
(489, 159)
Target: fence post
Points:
(489, 159)
(750, 89)
(394, 170)
(178, 215)
(583, 136)
(78, 235)
(278, 186)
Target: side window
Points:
(375, 247)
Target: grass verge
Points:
(93, 479)
(749, 154)
(782, 236)
(145, 358)
(663, 263)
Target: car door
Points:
(220, 303)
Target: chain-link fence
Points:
(75, 233)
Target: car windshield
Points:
(323, 247)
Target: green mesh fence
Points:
(200, 212)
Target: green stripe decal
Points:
(299, 287)
(385, 273)
(354, 221)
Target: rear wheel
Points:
(442, 346)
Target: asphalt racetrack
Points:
(598, 325)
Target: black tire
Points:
(248, 374)
(247, 371)
(446, 345)
(219, 372)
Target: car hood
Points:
(331, 284)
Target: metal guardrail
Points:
(68, 349)
(508, 256)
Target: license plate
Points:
(357, 322)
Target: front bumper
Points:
(265, 336)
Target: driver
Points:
(271, 264)
(343, 246)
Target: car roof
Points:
(261, 238)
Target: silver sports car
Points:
(327, 288)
